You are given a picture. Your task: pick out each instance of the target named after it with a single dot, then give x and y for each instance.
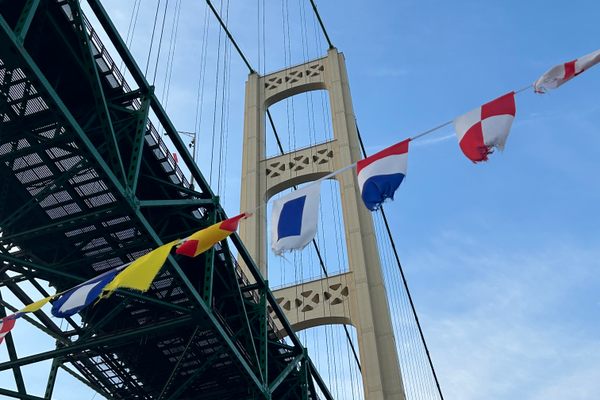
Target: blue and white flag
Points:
(381, 174)
(294, 219)
(82, 295)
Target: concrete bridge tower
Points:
(357, 297)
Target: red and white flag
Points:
(559, 74)
(6, 324)
(485, 127)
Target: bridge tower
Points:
(360, 296)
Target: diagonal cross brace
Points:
(106, 124)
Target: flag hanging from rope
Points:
(561, 73)
(294, 219)
(6, 325)
(485, 127)
(140, 273)
(8, 322)
(205, 239)
(380, 175)
(33, 307)
(82, 295)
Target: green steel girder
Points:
(180, 188)
(58, 141)
(209, 267)
(286, 372)
(175, 369)
(36, 324)
(192, 378)
(17, 395)
(91, 329)
(39, 149)
(52, 378)
(114, 153)
(137, 149)
(85, 381)
(25, 19)
(26, 299)
(70, 120)
(76, 279)
(127, 97)
(138, 216)
(14, 279)
(49, 327)
(58, 182)
(12, 354)
(143, 84)
(53, 333)
(177, 203)
(242, 312)
(64, 224)
(121, 338)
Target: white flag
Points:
(294, 219)
(561, 73)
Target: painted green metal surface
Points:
(74, 209)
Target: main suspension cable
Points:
(224, 26)
(314, 7)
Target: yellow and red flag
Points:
(205, 239)
(140, 273)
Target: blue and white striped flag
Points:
(82, 295)
(294, 219)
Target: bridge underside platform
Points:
(87, 184)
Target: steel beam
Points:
(17, 395)
(137, 150)
(58, 182)
(7, 36)
(177, 203)
(114, 153)
(85, 381)
(77, 279)
(207, 363)
(63, 224)
(180, 188)
(12, 354)
(115, 339)
(284, 374)
(141, 81)
(52, 378)
(25, 19)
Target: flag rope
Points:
(347, 167)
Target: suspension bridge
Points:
(94, 173)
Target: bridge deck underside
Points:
(63, 220)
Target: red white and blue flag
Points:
(6, 324)
(381, 174)
(486, 127)
(561, 73)
(82, 295)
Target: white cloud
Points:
(507, 325)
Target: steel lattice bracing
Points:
(87, 184)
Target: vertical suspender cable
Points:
(405, 283)
(162, 30)
(152, 38)
(212, 8)
(251, 70)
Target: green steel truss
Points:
(87, 184)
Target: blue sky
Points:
(502, 258)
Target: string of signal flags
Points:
(294, 218)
